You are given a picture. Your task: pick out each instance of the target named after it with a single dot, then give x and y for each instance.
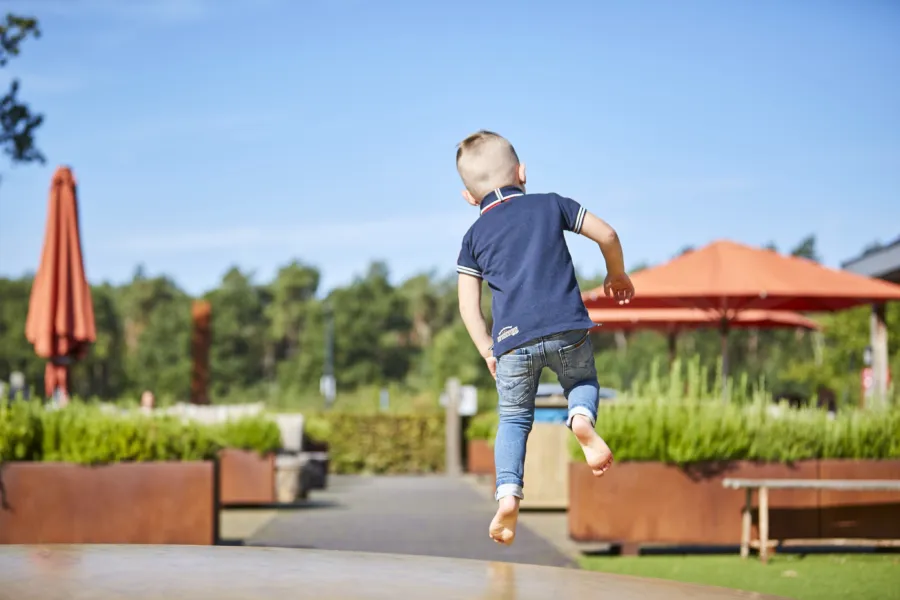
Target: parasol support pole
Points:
(673, 345)
(878, 332)
(723, 331)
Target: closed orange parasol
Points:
(60, 321)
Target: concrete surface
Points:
(220, 573)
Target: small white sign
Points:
(468, 402)
(328, 387)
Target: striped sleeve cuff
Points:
(579, 220)
(469, 271)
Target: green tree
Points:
(17, 122)
(161, 361)
(453, 355)
(238, 334)
(807, 249)
(103, 372)
(289, 312)
(372, 330)
(155, 334)
(15, 351)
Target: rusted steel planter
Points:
(124, 503)
(480, 458)
(246, 477)
(660, 503)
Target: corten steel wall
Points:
(201, 337)
(246, 477)
(481, 458)
(124, 503)
(655, 502)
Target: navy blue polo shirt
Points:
(518, 246)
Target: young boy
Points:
(518, 246)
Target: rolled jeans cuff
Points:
(581, 410)
(509, 489)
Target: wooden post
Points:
(764, 524)
(746, 523)
(453, 464)
(201, 313)
(879, 342)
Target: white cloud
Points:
(407, 231)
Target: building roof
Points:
(881, 262)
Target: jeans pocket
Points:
(514, 374)
(578, 358)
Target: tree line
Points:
(271, 335)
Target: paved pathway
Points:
(431, 516)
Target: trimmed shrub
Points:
(483, 426)
(380, 444)
(91, 434)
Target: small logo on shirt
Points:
(507, 332)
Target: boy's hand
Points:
(619, 286)
(491, 362)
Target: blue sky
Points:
(207, 133)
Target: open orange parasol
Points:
(60, 321)
(727, 277)
(673, 319)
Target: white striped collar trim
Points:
(500, 198)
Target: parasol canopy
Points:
(727, 277)
(673, 319)
(60, 322)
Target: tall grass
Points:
(692, 380)
(691, 431)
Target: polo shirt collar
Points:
(499, 196)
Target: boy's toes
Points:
(600, 470)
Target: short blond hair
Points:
(486, 161)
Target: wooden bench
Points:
(764, 485)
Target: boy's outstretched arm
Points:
(469, 288)
(617, 284)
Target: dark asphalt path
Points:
(429, 516)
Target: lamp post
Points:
(327, 384)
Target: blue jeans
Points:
(571, 356)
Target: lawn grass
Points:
(810, 577)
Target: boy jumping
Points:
(518, 246)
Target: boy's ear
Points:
(470, 198)
(522, 173)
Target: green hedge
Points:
(683, 433)
(483, 426)
(87, 434)
(380, 444)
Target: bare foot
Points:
(503, 527)
(599, 456)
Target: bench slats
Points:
(886, 485)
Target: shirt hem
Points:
(501, 348)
